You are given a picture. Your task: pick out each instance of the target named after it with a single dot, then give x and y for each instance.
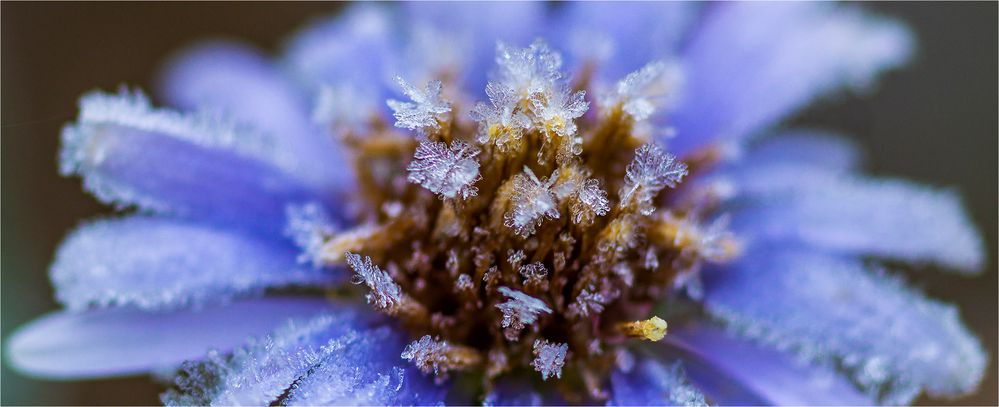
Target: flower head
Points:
(508, 222)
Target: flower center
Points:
(527, 234)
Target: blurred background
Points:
(934, 121)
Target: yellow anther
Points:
(652, 329)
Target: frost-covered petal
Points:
(732, 371)
(125, 341)
(341, 358)
(236, 80)
(818, 148)
(749, 65)
(891, 339)
(621, 37)
(884, 218)
(131, 154)
(153, 263)
(513, 391)
(651, 383)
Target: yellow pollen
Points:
(652, 329)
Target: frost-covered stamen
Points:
(588, 302)
(649, 172)
(644, 91)
(438, 356)
(427, 110)
(385, 293)
(556, 111)
(519, 311)
(448, 172)
(531, 203)
(549, 358)
(502, 121)
(310, 228)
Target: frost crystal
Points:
(649, 172)
(555, 110)
(385, 294)
(590, 201)
(428, 354)
(549, 358)
(528, 70)
(532, 201)
(519, 311)
(500, 121)
(448, 172)
(425, 112)
(309, 227)
(588, 302)
(644, 91)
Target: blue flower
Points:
(588, 203)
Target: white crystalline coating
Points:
(558, 107)
(532, 202)
(448, 172)
(528, 70)
(534, 271)
(425, 111)
(501, 114)
(385, 293)
(427, 353)
(520, 309)
(591, 200)
(649, 172)
(891, 339)
(589, 302)
(309, 226)
(549, 358)
(643, 92)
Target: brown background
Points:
(935, 121)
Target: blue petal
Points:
(192, 166)
(236, 80)
(749, 65)
(891, 339)
(735, 372)
(480, 25)
(352, 49)
(152, 263)
(621, 37)
(804, 147)
(892, 219)
(511, 390)
(340, 359)
(123, 341)
(651, 383)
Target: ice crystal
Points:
(549, 358)
(532, 202)
(428, 354)
(425, 112)
(448, 172)
(644, 91)
(309, 227)
(502, 120)
(385, 293)
(528, 70)
(519, 311)
(588, 302)
(649, 172)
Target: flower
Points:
(602, 219)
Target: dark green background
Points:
(935, 122)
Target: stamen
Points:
(652, 329)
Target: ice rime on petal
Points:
(827, 309)
(652, 383)
(531, 203)
(332, 359)
(649, 172)
(448, 172)
(157, 264)
(385, 293)
(520, 309)
(549, 358)
(644, 91)
(426, 110)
